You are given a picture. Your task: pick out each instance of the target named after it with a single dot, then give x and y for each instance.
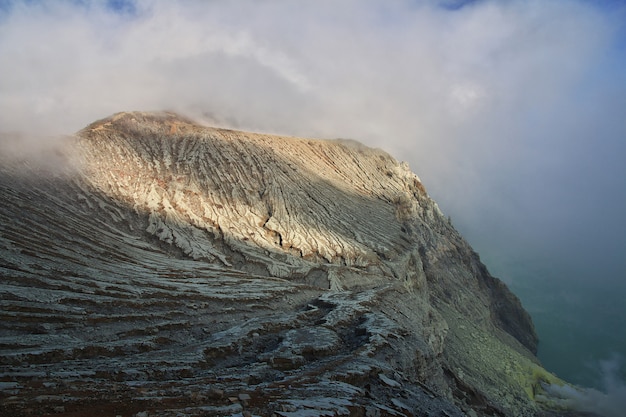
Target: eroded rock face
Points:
(177, 269)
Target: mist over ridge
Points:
(510, 112)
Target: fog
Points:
(511, 112)
(610, 402)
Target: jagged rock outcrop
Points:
(178, 269)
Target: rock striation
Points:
(162, 267)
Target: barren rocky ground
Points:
(153, 266)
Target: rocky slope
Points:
(154, 266)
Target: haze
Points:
(512, 112)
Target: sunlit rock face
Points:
(167, 268)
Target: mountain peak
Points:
(253, 262)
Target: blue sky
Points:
(511, 112)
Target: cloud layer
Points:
(512, 112)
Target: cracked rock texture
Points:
(154, 266)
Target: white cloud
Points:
(475, 99)
(607, 403)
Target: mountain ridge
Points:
(296, 253)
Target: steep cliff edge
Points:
(188, 270)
